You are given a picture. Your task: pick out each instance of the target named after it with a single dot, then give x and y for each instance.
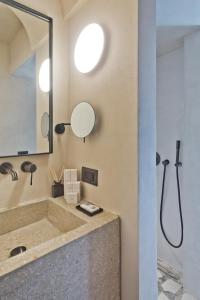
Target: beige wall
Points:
(13, 193)
(112, 149)
(69, 7)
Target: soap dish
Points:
(90, 214)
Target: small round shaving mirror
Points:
(82, 121)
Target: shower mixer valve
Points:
(29, 167)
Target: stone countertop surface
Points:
(91, 224)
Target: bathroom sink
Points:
(30, 225)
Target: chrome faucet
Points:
(7, 168)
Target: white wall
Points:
(178, 12)
(147, 149)
(192, 165)
(170, 125)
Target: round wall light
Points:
(89, 48)
(44, 76)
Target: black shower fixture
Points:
(177, 165)
(158, 159)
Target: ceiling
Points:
(170, 38)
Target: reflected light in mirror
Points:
(89, 48)
(44, 74)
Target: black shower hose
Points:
(165, 163)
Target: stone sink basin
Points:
(34, 224)
(69, 255)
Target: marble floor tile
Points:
(169, 295)
(162, 297)
(187, 297)
(159, 274)
(171, 286)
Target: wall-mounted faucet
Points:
(7, 168)
(29, 167)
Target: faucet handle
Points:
(29, 167)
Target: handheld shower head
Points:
(178, 146)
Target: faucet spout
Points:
(7, 168)
(13, 175)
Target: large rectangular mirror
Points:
(25, 81)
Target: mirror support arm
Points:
(60, 128)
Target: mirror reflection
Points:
(24, 82)
(45, 125)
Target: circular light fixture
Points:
(44, 76)
(89, 48)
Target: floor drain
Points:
(17, 250)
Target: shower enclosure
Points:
(178, 119)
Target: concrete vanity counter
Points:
(69, 255)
